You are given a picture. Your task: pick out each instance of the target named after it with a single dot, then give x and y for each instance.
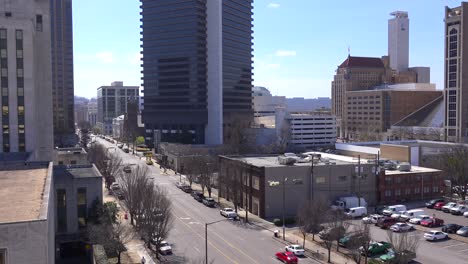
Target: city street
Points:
(228, 241)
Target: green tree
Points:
(140, 140)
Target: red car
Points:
(287, 257)
(438, 206)
(432, 222)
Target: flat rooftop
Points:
(21, 194)
(77, 171)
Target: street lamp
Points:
(277, 183)
(206, 237)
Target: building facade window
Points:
(397, 192)
(426, 189)
(388, 193)
(20, 91)
(320, 180)
(61, 211)
(416, 190)
(81, 207)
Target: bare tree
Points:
(404, 246)
(455, 165)
(207, 166)
(319, 207)
(359, 242)
(134, 185)
(304, 215)
(156, 220)
(112, 168)
(109, 232)
(336, 227)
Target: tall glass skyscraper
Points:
(62, 67)
(197, 68)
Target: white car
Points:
(446, 208)
(401, 227)
(465, 214)
(419, 219)
(228, 212)
(434, 235)
(165, 248)
(372, 219)
(296, 249)
(397, 215)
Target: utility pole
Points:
(359, 180)
(284, 205)
(311, 178)
(206, 243)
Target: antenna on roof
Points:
(349, 51)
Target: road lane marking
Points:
(455, 245)
(463, 250)
(197, 249)
(211, 244)
(185, 218)
(234, 247)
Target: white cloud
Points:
(105, 57)
(273, 5)
(285, 53)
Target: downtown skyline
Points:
(296, 45)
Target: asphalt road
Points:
(228, 241)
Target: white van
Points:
(394, 209)
(357, 212)
(411, 214)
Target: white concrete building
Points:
(112, 102)
(264, 103)
(26, 78)
(398, 41)
(306, 129)
(92, 113)
(118, 126)
(27, 226)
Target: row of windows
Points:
(364, 97)
(407, 191)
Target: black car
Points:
(431, 203)
(186, 188)
(197, 195)
(451, 228)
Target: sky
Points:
(298, 44)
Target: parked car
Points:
(343, 242)
(120, 145)
(296, 249)
(165, 248)
(388, 211)
(434, 235)
(179, 185)
(401, 227)
(439, 205)
(326, 232)
(228, 212)
(376, 248)
(208, 201)
(126, 150)
(432, 222)
(372, 219)
(417, 220)
(463, 231)
(198, 196)
(465, 214)
(149, 162)
(186, 188)
(459, 209)
(357, 212)
(407, 215)
(432, 202)
(446, 208)
(451, 228)
(286, 257)
(389, 257)
(386, 222)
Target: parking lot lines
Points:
(455, 245)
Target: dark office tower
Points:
(62, 67)
(456, 76)
(197, 68)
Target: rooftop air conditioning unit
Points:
(285, 160)
(405, 166)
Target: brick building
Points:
(402, 186)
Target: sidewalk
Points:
(313, 249)
(135, 248)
